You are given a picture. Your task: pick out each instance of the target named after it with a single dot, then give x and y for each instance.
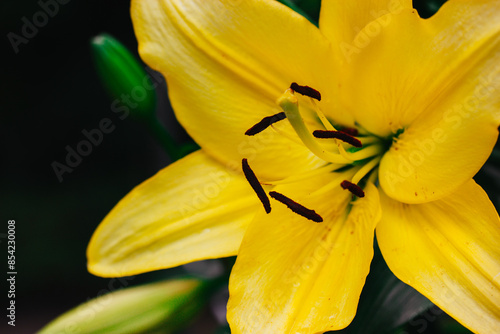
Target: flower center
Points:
(340, 147)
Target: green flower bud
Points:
(123, 76)
(168, 306)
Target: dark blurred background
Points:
(49, 94)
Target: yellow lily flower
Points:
(312, 138)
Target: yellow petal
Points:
(432, 158)
(226, 63)
(293, 275)
(411, 66)
(449, 251)
(341, 21)
(192, 210)
(439, 80)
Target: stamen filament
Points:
(373, 176)
(334, 182)
(287, 135)
(347, 130)
(366, 169)
(288, 102)
(303, 176)
(326, 123)
(342, 151)
(366, 152)
(361, 130)
(368, 140)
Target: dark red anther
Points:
(338, 135)
(306, 90)
(265, 123)
(353, 188)
(296, 207)
(350, 131)
(254, 182)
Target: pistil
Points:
(289, 103)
